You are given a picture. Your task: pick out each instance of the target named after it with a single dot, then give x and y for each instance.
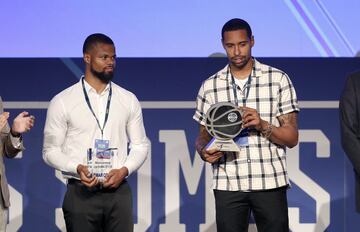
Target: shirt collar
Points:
(90, 89)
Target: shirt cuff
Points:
(72, 167)
(16, 141)
(130, 169)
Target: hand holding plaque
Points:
(100, 162)
(224, 123)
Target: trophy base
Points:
(223, 145)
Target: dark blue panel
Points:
(178, 79)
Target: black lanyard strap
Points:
(92, 111)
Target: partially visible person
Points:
(350, 127)
(11, 144)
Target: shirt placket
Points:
(101, 109)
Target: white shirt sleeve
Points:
(139, 143)
(54, 137)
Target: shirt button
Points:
(248, 160)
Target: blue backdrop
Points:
(172, 190)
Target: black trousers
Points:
(96, 209)
(269, 208)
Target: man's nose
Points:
(237, 50)
(111, 61)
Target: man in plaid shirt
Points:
(254, 179)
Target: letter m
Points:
(177, 152)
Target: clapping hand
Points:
(22, 123)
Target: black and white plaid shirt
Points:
(262, 164)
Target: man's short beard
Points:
(104, 77)
(241, 65)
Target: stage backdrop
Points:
(172, 189)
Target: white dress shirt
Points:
(71, 128)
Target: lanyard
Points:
(92, 111)
(234, 87)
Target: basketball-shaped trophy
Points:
(223, 122)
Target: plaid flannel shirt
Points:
(262, 164)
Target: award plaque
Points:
(224, 123)
(100, 162)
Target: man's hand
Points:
(3, 119)
(251, 118)
(22, 123)
(115, 177)
(86, 177)
(211, 155)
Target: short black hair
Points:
(236, 24)
(93, 39)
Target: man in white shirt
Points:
(88, 120)
(11, 144)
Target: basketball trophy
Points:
(224, 123)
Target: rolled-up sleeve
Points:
(287, 99)
(202, 106)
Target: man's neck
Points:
(242, 73)
(95, 83)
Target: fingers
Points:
(88, 180)
(110, 180)
(30, 122)
(250, 117)
(26, 116)
(23, 122)
(114, 178)
(82, 169)
(250, 120)
(23, 114)
(86, 177)
(246, 111)
(93, 182)
(212, 150)
(109, 176)
(215, 157)
(212, 157)
(4, 115)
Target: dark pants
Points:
(269, 208)
(98, 210)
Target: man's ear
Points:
(87, 58)
(252, 41)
